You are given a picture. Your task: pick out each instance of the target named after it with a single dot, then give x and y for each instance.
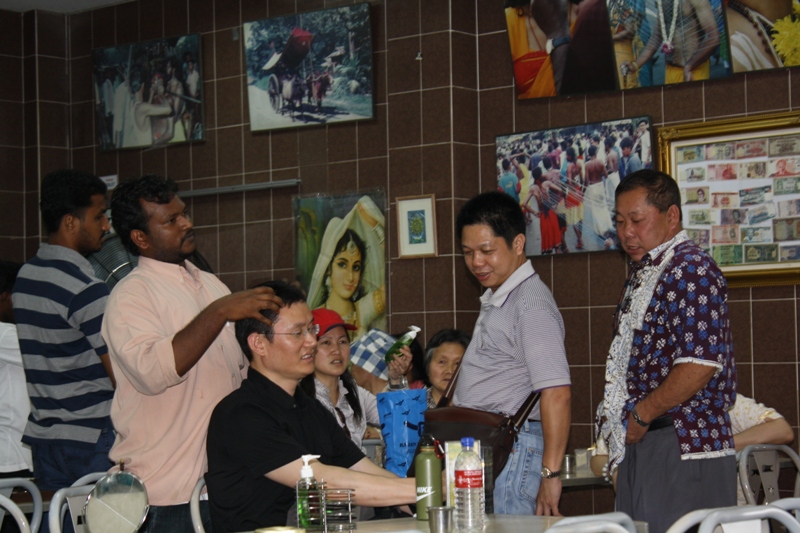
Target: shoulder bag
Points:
(495, 431)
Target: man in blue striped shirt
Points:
(58, 306)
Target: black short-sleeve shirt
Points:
(255, 430)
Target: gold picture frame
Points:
(416, 227)
(735, 182)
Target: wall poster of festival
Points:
(741, 197)
(565, 179)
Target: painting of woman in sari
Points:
(349, 272)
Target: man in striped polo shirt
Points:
(517, 347)
(58, 306)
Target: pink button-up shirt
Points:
(161, 418)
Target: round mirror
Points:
(118, 502)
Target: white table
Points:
(495, 524)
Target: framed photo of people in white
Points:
(740, 193)
(309, 69)
(416, 226)
(149, 93)
(565, 178)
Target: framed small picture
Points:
(416, 226)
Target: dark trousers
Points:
(656, 486)
(175, 519)
(57, 466)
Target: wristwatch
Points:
(638, 419)
(550, 474)
(552, 44)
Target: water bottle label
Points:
(469, 479)
(424, 492)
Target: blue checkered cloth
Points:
(369, 351)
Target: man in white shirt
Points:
(15, 457)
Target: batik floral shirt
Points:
(687, 322)
(673, 311)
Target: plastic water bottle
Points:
(470, 512)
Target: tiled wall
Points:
(434, 132)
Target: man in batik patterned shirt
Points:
(670, 374)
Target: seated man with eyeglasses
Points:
(258, 433)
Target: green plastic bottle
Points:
(428, 469)
(405, 340)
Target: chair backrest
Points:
(36, 496)
(17, 513)
(60, 498)
(619, 518)
(759, 469)
(744, 513)
(194, 506)
(790, 505)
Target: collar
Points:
(656, 255)
(273, 393)
(170, 270)
(498, 298)
(56, 252)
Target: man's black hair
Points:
(8, 275)
(67, 192)
(662, 190)
(495, 209)
(626, 142)
(127, 211)
(290, 296)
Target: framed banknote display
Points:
(740, 193)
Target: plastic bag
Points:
(402, 424)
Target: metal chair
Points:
(759, 468)
(36, 496)
(60, 498)
(17, 513)
(598, 522)
(731, 515)
(790, 505)
(88, 479)
(194, 506)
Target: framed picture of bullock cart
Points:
(740, 193)
(309, 69)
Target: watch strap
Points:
(561, 41)
(550, 474)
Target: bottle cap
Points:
(307, 471)
(468, 442)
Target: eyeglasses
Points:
(312, 330)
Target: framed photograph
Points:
(309, 69)
(578, 64)
(762, 34)
(740, 193)
(149, 93)
(564, 180)
(661, 42)
(416, 226)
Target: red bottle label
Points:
(469, 479)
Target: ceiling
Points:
(60, 6)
